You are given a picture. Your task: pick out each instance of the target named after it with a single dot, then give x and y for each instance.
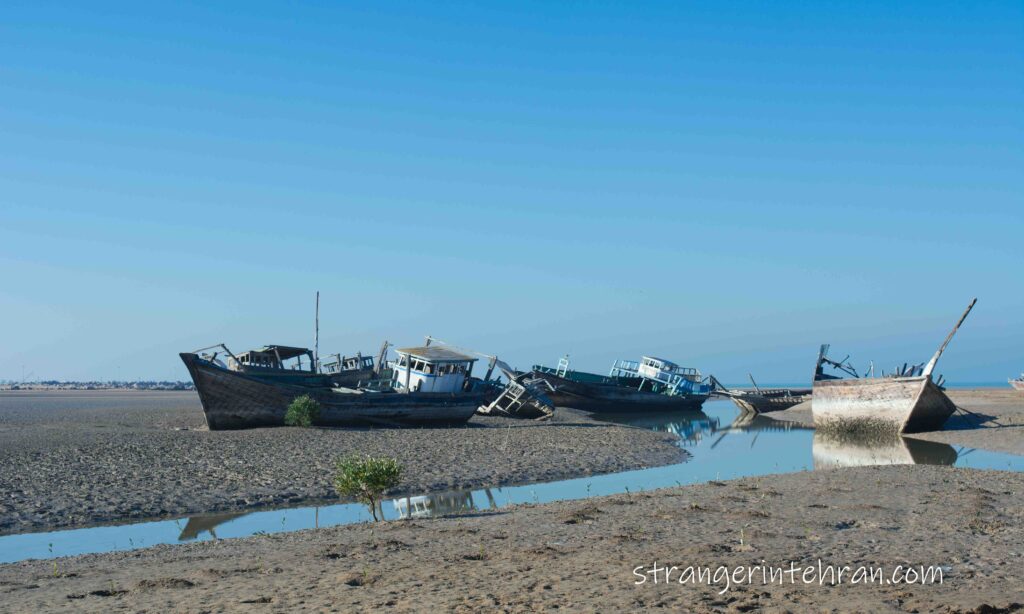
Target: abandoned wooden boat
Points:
(762, 400)
(652, 384)
(1018, 384)
(905, 402)
(425, 385)
(284, 364)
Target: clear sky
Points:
(724, 184)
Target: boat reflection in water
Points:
(206, 523)
(690, 426)
(439, 504)
(845, 450)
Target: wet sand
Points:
(79, 458)
(580, 555)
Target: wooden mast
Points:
(316, 337)
(931, 363)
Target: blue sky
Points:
(725, 184)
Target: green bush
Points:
(366, 478)
(303, 411)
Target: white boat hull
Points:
(886, 404)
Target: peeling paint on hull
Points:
(233, 400)
(896, 404)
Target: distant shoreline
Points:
(121, 386)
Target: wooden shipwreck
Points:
(285, 364)
(762, 400)
(429, 384)
(651, 384)
(907, 401)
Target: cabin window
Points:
(428, 368)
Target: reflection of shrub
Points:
(303, 411)
(366, 479)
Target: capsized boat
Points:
(907, 401)
(650, 384)
(762, 400)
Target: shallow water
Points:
(723, 445)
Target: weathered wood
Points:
(233, 400)
(931, 363)
(613, 397)
(893, 404)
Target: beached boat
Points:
(762, 400)
(652, 384)
(425, 385)
(284, 364)
(907, 401)
(1018, 384)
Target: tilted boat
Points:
(907, 401)
(426, 385)
(651, 384)
(1018, 384)
(762, 400)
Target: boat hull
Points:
(233, 400)
(1018, 384)
(753, 402)
(894, 404)
(611, 398)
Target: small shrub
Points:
(366, 478)
(303, 411)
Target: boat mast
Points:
(931, 363)
(316, 336)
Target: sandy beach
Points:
(77, 459)
(581, 555)
(967, 523)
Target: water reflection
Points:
(844, 450)
(694, 427)
(689, 426)
(439, 504)
(721, 444)
(207, 523)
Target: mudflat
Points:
(79, 458)
(581, 555)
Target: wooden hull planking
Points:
(753, 402)
(893, 404)
(234, 400)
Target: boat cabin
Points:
(273, 357)
(665, 371)
(339, 363)
(431, 369)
